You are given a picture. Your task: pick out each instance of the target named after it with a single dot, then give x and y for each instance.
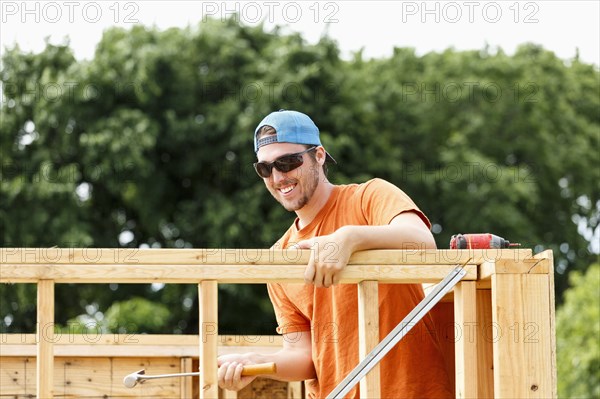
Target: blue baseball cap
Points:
(290, 127)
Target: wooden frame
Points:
(506, 293)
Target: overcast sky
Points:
(375, 26)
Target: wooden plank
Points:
(103, 377)
(522, 353)
(368, 334)
(136, 256)
(208, 296)
(548, 257)
(125, 341)
(184, 274)
(294, 390)
(18, 377)
(509, 266)
(485, 336)
(141, 345)
(45, 339)
(465, 317)
(264, 388)
(186, 386)
(484, 284)
(18, 350)
(90, 377)
(227, 394)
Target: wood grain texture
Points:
(465, 317)
(548, 257)
(209, 322)
(186, 384)
(136, 256)
(82, 377)
(485, 331)
(45, 339)
(522, 349)
(136, 345)
(508, 266)
(368, 334)
(184, 274)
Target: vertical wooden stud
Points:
(368, 334)
(186, 383)
(485, 359)
(465, 317)
(45, 339)
(522, 352)
(209, 387)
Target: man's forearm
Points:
(391, 236)
(292, 365)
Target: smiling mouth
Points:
(287, 189)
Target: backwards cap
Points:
(290, 127)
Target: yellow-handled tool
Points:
(132, 379)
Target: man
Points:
(318, 319)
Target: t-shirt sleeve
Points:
(289, 319)
(382, 201)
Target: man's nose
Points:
(277, 176)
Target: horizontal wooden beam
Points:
(128, 345)
(136, 256)
(251, 274)
(132, 339)
(504, 266)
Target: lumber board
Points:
(368, 334)
(209, 322)
(507, 266)
(185, 274)
(264, 388)
(136, 345)
(465, 317)
(186, 384)
(144, 339)
(522, 352)
(210, 256)
(89, 377)
(227, 394)
(548, 257)
(17, 350)
(294, 390)
(45, 339)
(485, 336)
(18, 377)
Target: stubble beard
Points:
(308, 187)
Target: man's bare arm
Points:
(294, 363)
(332, 252)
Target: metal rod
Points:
(132, 379)
(375, 356)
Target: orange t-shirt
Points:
(414, 368)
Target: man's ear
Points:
(321, 155)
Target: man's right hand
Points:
(230, 371)
(294, 363)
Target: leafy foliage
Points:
(149, 144)
(578, 337)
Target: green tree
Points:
(578, 337)
(149, 145)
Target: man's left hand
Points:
(329, 255)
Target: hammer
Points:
(132, 379)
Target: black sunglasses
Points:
(284, 164)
